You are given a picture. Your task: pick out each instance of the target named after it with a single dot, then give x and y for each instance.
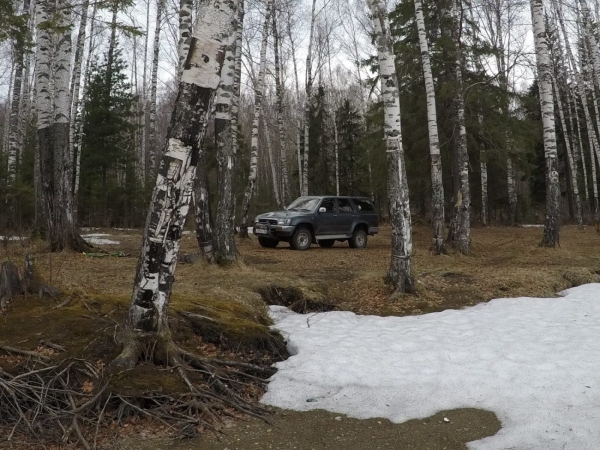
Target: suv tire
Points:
(326, 243)
(267, 243)
(359, 238)
(302, 239)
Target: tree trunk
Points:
(147, 317)
(258, 98)
(204, 230)
(307, 102)
(152, 144)
(570, 163)
(285, 192)
(552, 222)
(592, 138)
(53, 126)
(581, 156)
(185, 32)
(399, 275)
(144, 143)
(272, 162)
(437, 186)
(75, 86)
(226, 115)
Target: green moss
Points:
(144, 379)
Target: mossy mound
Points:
(298, 299)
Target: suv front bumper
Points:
(268, 230)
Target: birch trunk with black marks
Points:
(399, 276)
(147, 319)
(592, 137)
(285, 185)
(144, 144)
(226, 116)
(151, 143)
(437, 186)
(484, 180)
(185, 32)
(307, 101)
(544, 67)
(570, 161)
(590, 37)
(204, 229)
(52, 90)
(299, 112)
(74, 103)
(258, 98)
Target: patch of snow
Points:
(12, 238)
(99, 239)
(532, 225)
(532, 361)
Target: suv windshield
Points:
(304, 203)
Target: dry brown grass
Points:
(505, 262)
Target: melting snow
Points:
(534, 362)
(99, 239)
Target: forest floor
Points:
(505, 262)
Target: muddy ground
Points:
(505, 262)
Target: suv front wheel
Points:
(359, 238)
(302, 239)
(267, 243)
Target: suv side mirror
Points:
(322, 209)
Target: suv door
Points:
(366, 211)
(325, 221)
(346, 216)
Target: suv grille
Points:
(271, 221)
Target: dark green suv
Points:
(319, 220)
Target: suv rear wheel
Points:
(326, 243)
(302, 239)
(359, 238)
(267, 243)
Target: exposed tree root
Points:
(77, 401)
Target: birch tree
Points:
(460, 224)
(147, 334)
(437, 186)
(552, 221)
(399, 275)
(308, 89)
(226, 133)
(258, 98)
(285, 194)
(151, 144)
(52, 90)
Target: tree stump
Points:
(13, 285)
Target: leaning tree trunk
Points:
(151, 144)
(592, 138)
(307, 101)
(52, 88)
(437, 186)
(147, 321)
(552, 222)
(570, 161)
(399, 275)
(226, 141)
(258, 98)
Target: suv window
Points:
(328, 204)
(345, 206)
(363, 205)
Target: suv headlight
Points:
(283, 221)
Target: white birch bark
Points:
(14, 139)
(174, 183)
(580, 154)
(185, 31)
(437, 186)
(460, 224)
(285, 185)
(592, 137)
(299, 112)
(399, 275)
(144, 143)
(552, 222)
(484, 180)
(152, 145)
(258, 98)
(307, 101)
(226, 141)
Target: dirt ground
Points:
(505, 262)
